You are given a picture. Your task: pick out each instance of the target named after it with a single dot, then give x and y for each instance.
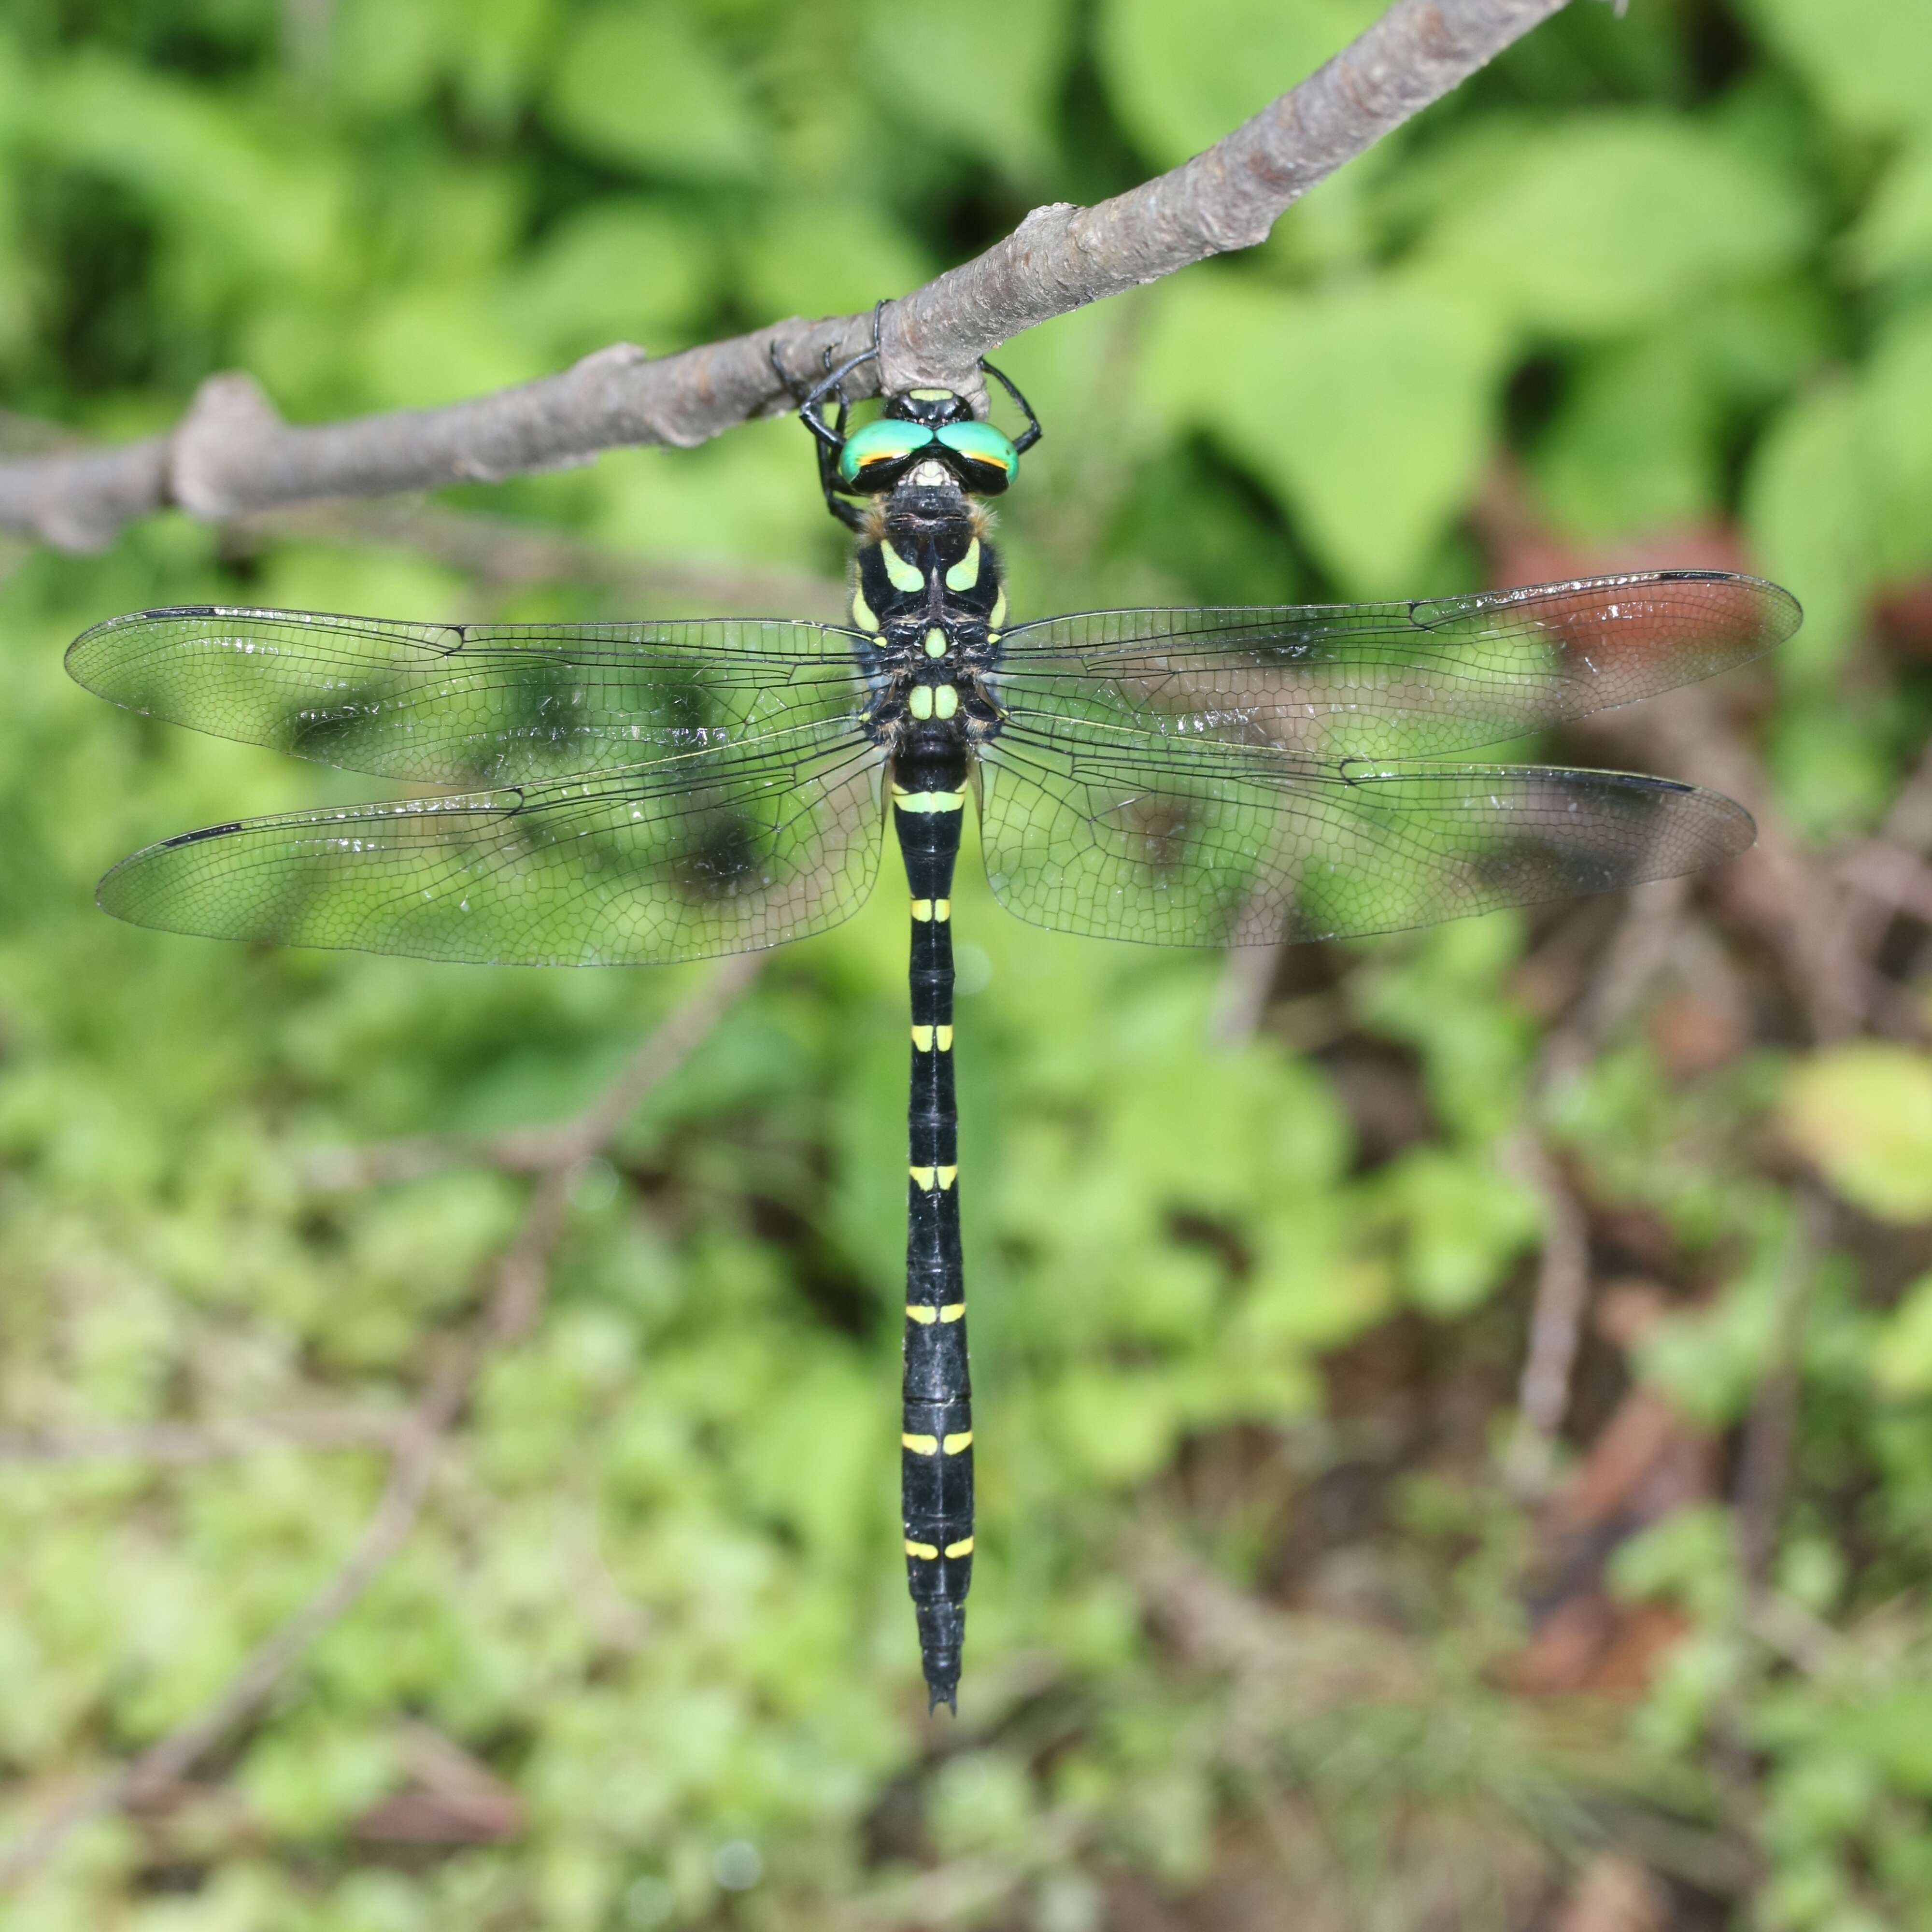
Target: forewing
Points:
(1390, 681)
(469, 704)
(1239, 847)
(725, 852)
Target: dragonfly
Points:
(641, 793)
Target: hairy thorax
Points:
(928, 602)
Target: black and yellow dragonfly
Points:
(624, 794)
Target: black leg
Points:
(1032, 433)
(828, 439)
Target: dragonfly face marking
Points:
(644, 792)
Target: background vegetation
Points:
(1288, 1615)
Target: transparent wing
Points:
(723, 852)
(1390, 681)
(469, 704)
(1241, 846)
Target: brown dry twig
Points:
(232, 453)
(516, 1294)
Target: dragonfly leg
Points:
(1032, 434)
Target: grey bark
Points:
(231, 453)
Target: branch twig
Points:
(536, 1150)
(1632, 960)
(212, 1441)
(515, 1297)
(233, 453)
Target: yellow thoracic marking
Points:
(947, 1176)
(924, 1317)
(964, 1547)
(935, 642)
(998, 615)
(922, 1178)
(945, 700)
(921, 910)
(919, 700)
(928, 1550)
(923, 1445)
(952, 1311)
(943, 1039)
(922, 1038)
(931, 395)
(929, 801)
(965, 573)
(954, 1443)
(863, 614)
(900, 574)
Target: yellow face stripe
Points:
(900, 574)
(935, 642)
(862, 613)
(945, 700)
(923, 1445)
(965, 573)
(929, 801)
(952, 1311)
(924, 1316)
(926, 1550)
(918, 700)
(954, 1443)
(943, 1039)
(922, 1038)
(964, 1547)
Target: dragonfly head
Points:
(928, 425)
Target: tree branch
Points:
(516, 1294)
(231, 453)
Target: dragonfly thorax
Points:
(928, 600)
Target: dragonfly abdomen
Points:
(936, 1422)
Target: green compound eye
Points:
(984, 449)
(884, 442)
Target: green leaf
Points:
(1870, 61)
(828, 256)
(921, 48)
(623, 269)
(1465, 1221)
(639, 87)
(1901, 1356)
(1608, 222)
(1839, 501)
(1863, 1113)
(1631, 447)
(1893, 238)
(1368, 409)
(1179, 85)
(1805, 507)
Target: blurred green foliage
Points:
(1667, 279)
